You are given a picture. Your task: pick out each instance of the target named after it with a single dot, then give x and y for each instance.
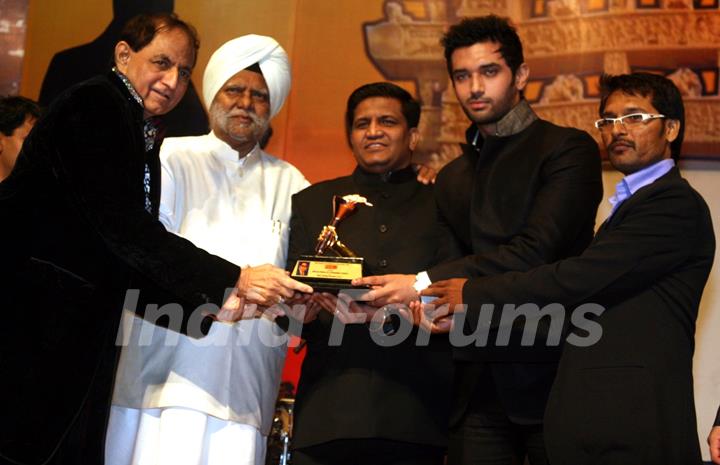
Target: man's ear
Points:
(521, 76)
(414, 138)
(672, 129)
(122, 55)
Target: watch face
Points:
(388, 324)
(391, 323)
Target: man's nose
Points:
(244, 100)
(618, 127)
(171, 77)
(477, 85)
(374, 129)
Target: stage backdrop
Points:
(337, 46)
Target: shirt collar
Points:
(151, 126)
(516, 120)
(391, 177)
(223, 151)
(632, 183)
(648, 175)
(129, 86)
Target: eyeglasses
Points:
(628, 121)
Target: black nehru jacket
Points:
(361, 389)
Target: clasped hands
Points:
(264, 289)
(269, 290)
(397, 292)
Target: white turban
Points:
(240, 53)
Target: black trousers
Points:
(475, 444)
(487, 436)
(368, 452)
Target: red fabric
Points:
(293, 362)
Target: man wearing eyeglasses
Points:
(619, 134)
(628, 398)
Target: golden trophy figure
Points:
(334, 264)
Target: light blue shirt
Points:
(633, 182)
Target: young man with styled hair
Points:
(524, 193)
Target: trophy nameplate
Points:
(334, 265)
(325, 273)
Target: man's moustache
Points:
(246, 114)
(617, 140)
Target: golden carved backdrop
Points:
(567, 44)
(336, 46)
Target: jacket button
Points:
(385, 195)
(383, 228)
(383, 263)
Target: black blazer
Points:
(629, 397)
(77, 237)
(361, 389)
(512, 204)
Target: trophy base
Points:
(328, 274)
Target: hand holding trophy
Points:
(334, 264)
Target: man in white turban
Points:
(178, 400)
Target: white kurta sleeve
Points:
(167, 198)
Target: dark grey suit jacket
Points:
(628, 398)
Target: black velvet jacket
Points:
(77, 236)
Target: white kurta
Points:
(179, 400)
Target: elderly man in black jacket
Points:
(80, 209)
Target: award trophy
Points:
(334, 264)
